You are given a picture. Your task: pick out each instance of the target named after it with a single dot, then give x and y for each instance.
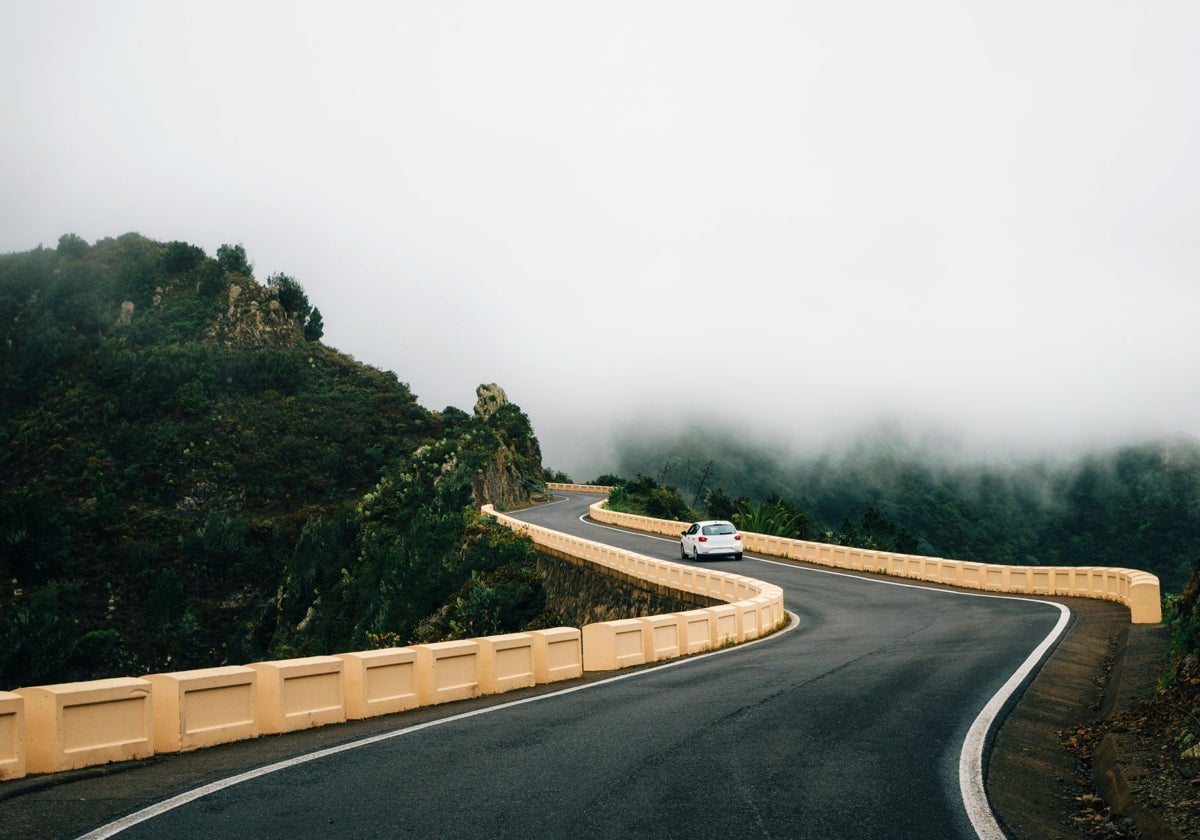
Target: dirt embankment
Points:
(1050, 778)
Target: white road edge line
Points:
(970, 759)
(117, 826)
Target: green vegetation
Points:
(1134, 507)
(189, 478)
(646, 497)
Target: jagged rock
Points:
(499, 483)
(490, 398)
(254, 318)
(126, 316)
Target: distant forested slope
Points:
(1136, 506)
(189, 477)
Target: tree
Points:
(314, 327)
(72, 245)
(180, 257)
(295, 303)
(718, 505)
(233, 260)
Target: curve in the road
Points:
(971, 758)
(853, 724)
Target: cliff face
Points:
(583, 593)
(510, 476)
(254, 317)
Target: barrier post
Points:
(447, 671)
(380, 682)
(505, 662)
(609, 645)
(300, 693)
(557, 654)
(12, 736)
(660, 637)
(203, 707)
(72, 725)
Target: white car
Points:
(710, 538)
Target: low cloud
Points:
(794, 221)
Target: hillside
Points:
(1136, 506)
(189, 477)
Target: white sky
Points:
(981, 217)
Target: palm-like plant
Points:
(770, 517)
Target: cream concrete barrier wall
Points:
(578, 488)
(12, 736)
(46, 729)
(1137, 590)
(200, 708)
(74, 725)
(51, 728)
(752, 609)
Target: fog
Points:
(792, 219)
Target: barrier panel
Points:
(73, 725)
(557, 654)
(1137, 590)
(747, 620)
(505, 662)
(380, 682)
(696, 630)
(609, 645)
(661, 637)
(12, 736)
(447, 671)
(200, 708)
(300, 693)
(725, 625)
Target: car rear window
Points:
(715, 530)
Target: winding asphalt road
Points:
(852, 724)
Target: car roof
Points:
(713, 522)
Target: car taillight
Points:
(737, 537)
(703, 539)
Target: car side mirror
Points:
(683, 533)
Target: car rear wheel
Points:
(737, 556)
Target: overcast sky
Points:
(795, 217)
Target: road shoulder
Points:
(1033, 784)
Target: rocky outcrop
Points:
(500, 483)
(510, 475)
(254, 318)
(489, 399)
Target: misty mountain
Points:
(1135, 506)
(190, 478)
